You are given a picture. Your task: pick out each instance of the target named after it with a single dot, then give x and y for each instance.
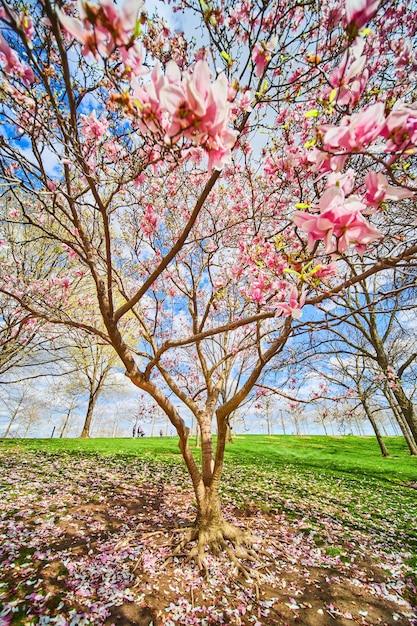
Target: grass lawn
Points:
(88, 525)
(356, 455)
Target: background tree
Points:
(21, 408)
(88, 364)
(373, 329)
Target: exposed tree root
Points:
(216, 539)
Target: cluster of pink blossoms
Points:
(104, 27)
(294, 306)
(342, 217)
(180, 104)
(348, 80)
(93, 128)
(339, 220)
(367, 129)
(187, 104)
(339, 217)
(8, 57)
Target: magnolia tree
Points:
(195, 198)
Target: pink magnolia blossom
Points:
(92, 127)
(12, 64)
(84, 33)
(149, 222)
(258, 289)
(294, 307)
(345, 181)
(189, 104)
(26, 25)
(326, 272)
(104, 26)
(358, 131)
(132, 57)
(349, 79)
(400, 129)
(359, 12)
(378, 189)
(147, 100)
(262, 54)
(322, 161)
(339, 218)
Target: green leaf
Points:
(310, 144)
(312, 113)
(333, 95)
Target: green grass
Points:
(358, 456)
(355, 456)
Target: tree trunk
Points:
(405, 429)
(282, 422)
(6, 434)
(65, 423)
(210, 529)
(404, 403)
(407, 409)
(382, 446)
(13, 417)
(85, 434)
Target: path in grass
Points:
(86, 528)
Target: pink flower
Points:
(258, 287)
(294, 306)
(12, 65)
(84, 33)
(147, 100)
(345, 181)
(324, 162)
(7, 55)
(150, 221)
(325, 272)
(26, 25)
(339, 218)
(378, 189)
(359, 12)
(104, 26)
(360, 130)
(92, 127)
(262, 54)
(189, 104)
(400, 129)
(349, 80)
(132, 57)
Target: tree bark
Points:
(407, 409)
(412, 446)
(85, 434)
(381, 443)
(10, 424)
(65, 423)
